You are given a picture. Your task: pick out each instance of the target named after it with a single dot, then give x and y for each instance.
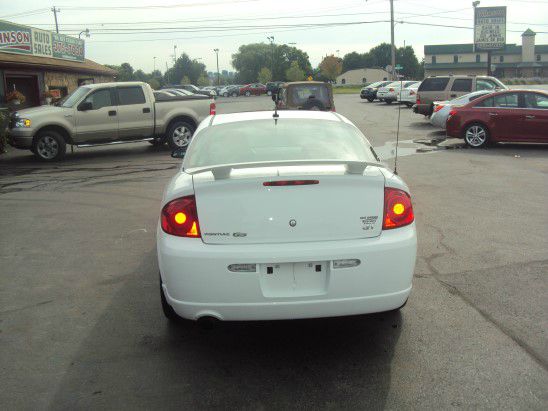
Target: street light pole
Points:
(218, 74)
(174, 54)
(154, 63)
(86, 31)
(392, 46)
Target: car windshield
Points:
(74, 97)
(286, 139)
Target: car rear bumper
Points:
(197, 282)
(438, 120)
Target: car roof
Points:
(118, 84)
(268, 115)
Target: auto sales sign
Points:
(489, 28)
(16, 38)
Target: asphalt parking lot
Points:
(81, 325)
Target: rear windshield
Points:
(301, 93)
(434, 84)
(289, 139)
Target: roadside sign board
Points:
(15, 38)
(398, 67)
(489, 28)
(19, 39)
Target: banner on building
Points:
(16, 38)
(489, 28)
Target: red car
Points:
(255, 89)
(505, 116)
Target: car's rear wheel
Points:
(269, 92)
(179, 134)
(370, 99)
(225, 94)
(476, 135)
(388, 101)
(234, 94)
(49, 145)
(247, 93)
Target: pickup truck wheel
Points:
(179, 134)
(49, 145)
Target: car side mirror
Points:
(85, 106)
(178, 153)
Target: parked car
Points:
(190, 87)
(370, 92)
(212, 90)
(108, 113)
(443, 108)
(277, 218)
(305, 95)
(389, 93)
(441, 88)
(179, 91)
(254, 89)
(505, 116)
(232, 91)
(272, 87)
(408, 96)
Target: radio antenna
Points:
(398, 130)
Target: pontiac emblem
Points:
(292, 223)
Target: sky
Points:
(136, 31)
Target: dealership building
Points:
(527, 60)
(33, 61)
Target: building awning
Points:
(46, 63)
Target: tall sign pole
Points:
(393, 46)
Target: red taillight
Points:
(438, 107)
(179, 217)
(290, 183)
(452, 112)
(418, 99)
(398, 210)
(212, 108)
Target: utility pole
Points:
(271, 38)
(174, 54)
(392, 47)
(55, 11)
(154, 63)
(218, 74)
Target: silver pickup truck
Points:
(108, 113)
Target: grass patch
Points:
(346, 90)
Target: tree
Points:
(331, 67)
(251, 58)
(294, 72)
(184, 80)
(203, 80)
(124, 72)
(265, 75)
(185, 66)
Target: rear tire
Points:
(269, 92)
(476, 135)
(388, 101)
(49, 145)
(370, 99)
(235, 94)
(179, 134)
(247, 93)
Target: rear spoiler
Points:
(223, 171)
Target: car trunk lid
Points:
(331, 205)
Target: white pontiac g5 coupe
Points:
(283, 216)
